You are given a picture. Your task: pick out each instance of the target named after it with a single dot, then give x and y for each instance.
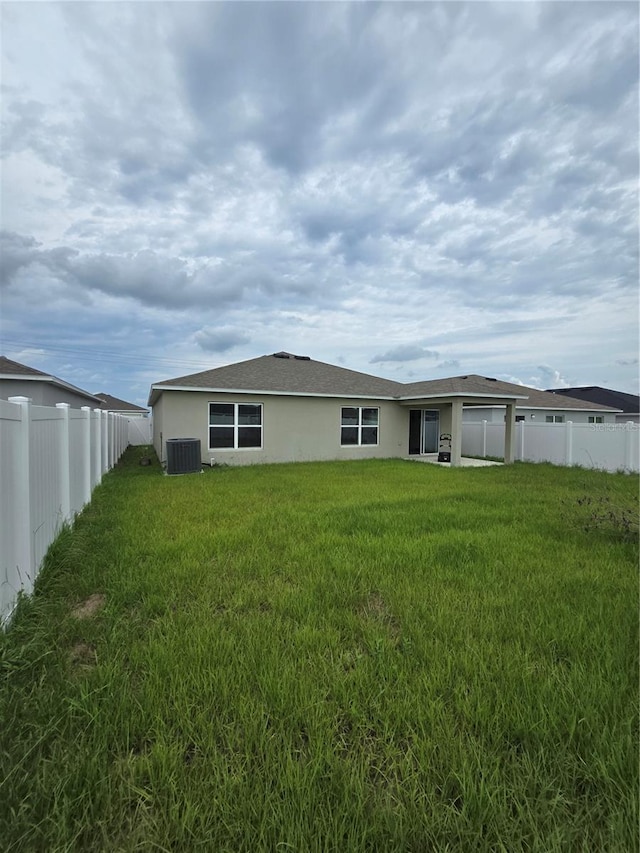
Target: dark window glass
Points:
(248, 414)
(350, 416)
(249, 436)
(220, 414)
(221, 437)
(370, 417)
(349, 435)
(369, 435)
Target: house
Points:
(285, 408)
(629, 404)
(545, 407)
(19, 380)
(121, 407)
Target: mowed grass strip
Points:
(360, 656)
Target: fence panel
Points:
(11, 579)
(50, 461)
(45, 478)
(79, 474)
(610, 447)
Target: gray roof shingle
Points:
(285, 373)
(14, 368)
(288, 374)
(114, 404)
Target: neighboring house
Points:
(121, 407)
(628, 403)
(285, 408)
(546, 407)
(19, 380)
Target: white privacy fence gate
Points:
(611, 447)
(139, 430)
(51, 459)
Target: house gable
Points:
(44, 389)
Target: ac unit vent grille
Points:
(183, 456)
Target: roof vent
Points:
(281, 355)
(490, 379)
(302, 357)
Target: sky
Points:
(412, 190)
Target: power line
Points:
(109, 356)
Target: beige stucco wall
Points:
(294, 428)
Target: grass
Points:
(361, 656)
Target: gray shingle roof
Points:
(288, 374)
(285, 373)
(474, 384)
(14, 368)
(471, 384)
(629, 403)
(114, 404)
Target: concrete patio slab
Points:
(466, 461)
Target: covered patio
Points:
(437, 405)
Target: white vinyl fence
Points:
(139, 430)
(51, 459)
(610, 447)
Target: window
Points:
(520, 418)
(596, 419)
(554, 419)
(235, 425)
(359, 425)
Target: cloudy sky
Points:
(413, 190)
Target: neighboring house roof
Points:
(629, 403)
(14, 370)
(285, 373)
(113, 404)
(11, 369)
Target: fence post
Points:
(22, 462)
(521, 440)
(86, 454)
(568, 443)
(65, 463)
(484, 438)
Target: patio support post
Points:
(456, 432)
(509, 432)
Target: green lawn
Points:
(360, 656)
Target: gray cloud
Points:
(358, 166)
(406, 352)
(220, 339)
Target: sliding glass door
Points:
(423, 431)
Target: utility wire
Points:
(109, 356)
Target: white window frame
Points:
(554, 419)
(595, 419)
(360, 426)
(236, 425)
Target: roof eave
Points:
(53, 380)
(463, 394)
